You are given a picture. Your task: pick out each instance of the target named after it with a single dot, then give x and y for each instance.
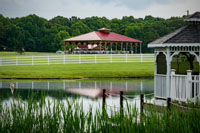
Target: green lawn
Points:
(13, 54)
(101, 70)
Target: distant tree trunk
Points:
(190, 59)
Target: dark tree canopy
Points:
(34, 33)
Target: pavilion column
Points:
(64, 47)
(136, 48)
(116, 46)
(100, 46)
(74, 44)
(131, 47)
(126, 46)
(121, 46)
(140, 47)
(105, 45)
(110, 46)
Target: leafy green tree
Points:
(59, 39)
(34, 33)
(83, 28)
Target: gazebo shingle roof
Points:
(194, 17)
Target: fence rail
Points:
(75, 59)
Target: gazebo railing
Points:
(179, 87)
(195, 88)
(185, 88)
(160, 86)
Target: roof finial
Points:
(104, 30)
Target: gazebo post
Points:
(111, 46)
(168, 72)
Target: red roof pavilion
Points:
(103, 36)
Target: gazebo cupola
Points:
(178, 52)
(104, 30)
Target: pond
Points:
(87, 91)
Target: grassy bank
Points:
(14, 54)
(68, 116)
(101, 70)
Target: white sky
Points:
(108, 8)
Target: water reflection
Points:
(124, 85)
(88, 91)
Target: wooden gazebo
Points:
(103, 37)
(177, 62)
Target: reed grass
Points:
(69, 116)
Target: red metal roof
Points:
(101, 36)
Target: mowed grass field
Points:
(67, 71)
(103, 70)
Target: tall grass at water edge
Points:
(40, 115)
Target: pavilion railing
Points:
(75, 59)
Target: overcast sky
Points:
(108, 8)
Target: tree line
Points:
(34, 33)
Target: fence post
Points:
(121, 99)
(111, 58)
(48, 60)
(189, 84)
(141, 57)
(104, 99)
(141, 105)
(95, 59)
(64, 58)
(0, 61)
(16, 60)
(79, 58)
(32, 59)
(126, 58)
(172, 93)
(168, 103)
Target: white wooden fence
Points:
(75, 59)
